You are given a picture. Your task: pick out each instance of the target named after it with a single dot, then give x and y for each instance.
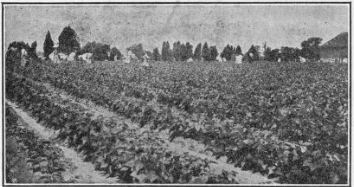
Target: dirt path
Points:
(79, 171)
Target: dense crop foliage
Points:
(114, 149)
(285, 120)
(29, 158)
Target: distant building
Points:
(335, 50)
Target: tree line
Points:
(68, 42)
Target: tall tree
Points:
(189, 50)
(238, 50)
(176, 49)
(184, 55)
(48, 45)
(32, 52)
(166, 52)
(68, 41)
(213, 53)
(198, 52)
(156, 55)
(226, 52)
(206, 52)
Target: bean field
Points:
(197, 122)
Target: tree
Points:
(115, 52)
(32, 53)
(156, 55)
(13, 58)
(48, 45)
(238, 50)
(189, 50)
(198, 52)
(206, 52)
(290, 54)
(213, 53)
(274, 55)
(138, 50)
(267, 54)
(166, 52)
(230, 51)
(252, 54)
(68, 41)
(88, 48)
(311, 48)
(177, 54)
(184, 55)
(227, 52)
(99, 51)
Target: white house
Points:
(238, 59)
(86, 57)
(71, 56)
(54, 57)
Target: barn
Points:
(336, 49)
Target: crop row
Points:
(113, 149)
(29, 158)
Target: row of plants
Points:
(30, 159)
(112, 148)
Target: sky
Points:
(124, 25)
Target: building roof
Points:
(340, 41)
(336, 47)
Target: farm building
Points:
(336, 49)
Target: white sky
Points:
(124, 25)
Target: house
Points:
(335, 50)
(238, 59)
(86, 57)
(54, 57)
(72, 56)
(130, 56)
